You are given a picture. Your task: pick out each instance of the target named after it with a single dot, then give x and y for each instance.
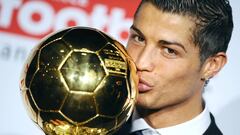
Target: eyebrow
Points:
(165, 42)
(137, 30)
(172, 43)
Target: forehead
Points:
(153, 20)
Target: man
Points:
(177, 46)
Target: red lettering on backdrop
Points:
(38, 18)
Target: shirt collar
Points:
(196, 126)
(138, 123)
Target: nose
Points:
(144, 60)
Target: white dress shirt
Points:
(196, 126)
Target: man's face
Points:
(167, 60)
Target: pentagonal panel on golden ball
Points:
(90, 39)
(83, 71)
(52, 55)
(79, 107)
(47, 89)
(112, 95)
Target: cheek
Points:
(175, 86)
(133, 51)
(178, 76)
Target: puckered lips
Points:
(144, 86)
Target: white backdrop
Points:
(222, 94)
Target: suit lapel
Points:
(212, 129)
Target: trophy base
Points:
(61, 128)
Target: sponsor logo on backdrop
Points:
(8, 53)
(37, 18)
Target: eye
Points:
(169, 52)
(137, 38)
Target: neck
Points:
(174, 114)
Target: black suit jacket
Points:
(212, 129)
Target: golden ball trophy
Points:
(79, 81)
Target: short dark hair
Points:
(214, 22)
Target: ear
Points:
(213, 65)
